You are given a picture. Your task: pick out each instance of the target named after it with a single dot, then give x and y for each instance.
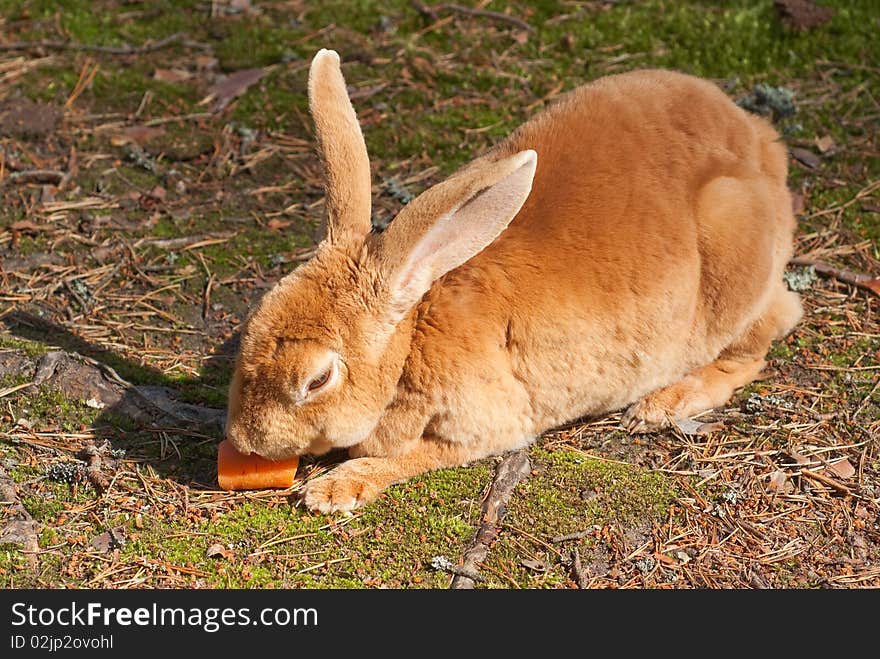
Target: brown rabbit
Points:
(624, 247)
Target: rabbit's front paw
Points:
(349, 486)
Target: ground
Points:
(150, 197)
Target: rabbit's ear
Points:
(342, 149)
(451, 222)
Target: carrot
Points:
(237, 471)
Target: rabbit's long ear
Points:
(342, 149)
(451, 222)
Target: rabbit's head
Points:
(322, 353)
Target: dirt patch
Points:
(21, 117)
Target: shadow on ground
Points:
(140, 411)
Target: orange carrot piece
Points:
(237, 471)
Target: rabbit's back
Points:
(657, 222)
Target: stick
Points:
(830, 482)
(866, 399)
(578, 569)
(433, 11)
(34, 176)
(12, 390)
(512, 469)
(110, 50)
(858, 279)
(74, 374)
(185, 241)
(574, 536)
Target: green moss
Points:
(391, 543)
(42, 507)
(13, 380)
(24, 473)
(50, 84)
(358, 15)
(28, 245)
(132, 176)
(51, 409)
(277, 102)
(571, 493)
(82, 23)
(627, 494)
(32, 349)
(711, 39)
(252, 42)
(79, 20)
(780, 350)
(853, 350)
(249, 242)
(123, 88)
(14, 572)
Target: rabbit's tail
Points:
(774, 165)
(774, 153)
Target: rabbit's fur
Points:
(624, 247)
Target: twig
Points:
(578, 569)
(512, 469)
(86, 76)
(857, 279)
(433, 11)
(830, 482)
(183, 117)
(866, 399)
(34, 176)
(185, 241)
(861, 194)
(206, 302)
(574, 536)
(110, 50)
(457, 571)
(12, 390)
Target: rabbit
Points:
(624, 248)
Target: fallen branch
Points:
(578, 569)
(444, 564)
(512, 469)
(49, 176)
(84, 378)
(433, 12)
(860, 280)
(91, 48)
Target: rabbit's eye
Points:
(319, 381)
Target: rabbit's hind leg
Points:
(700, 390)
(712, 385)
